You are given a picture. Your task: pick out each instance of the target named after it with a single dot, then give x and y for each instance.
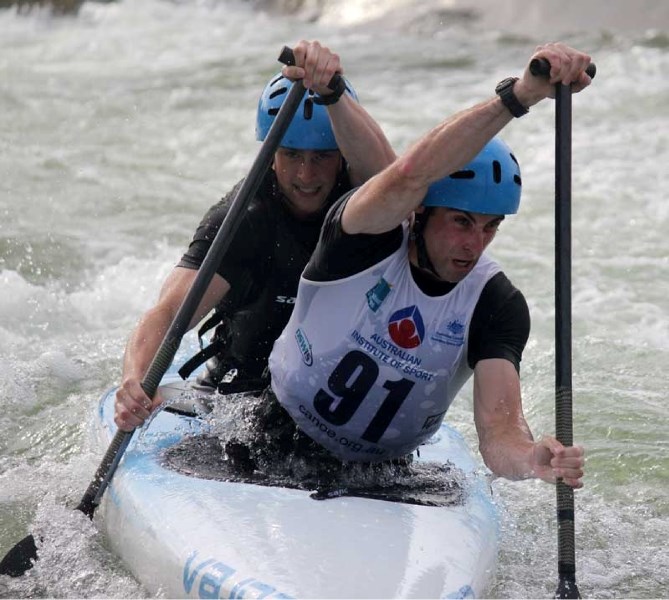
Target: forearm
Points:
(360, 139)
(512, 453)
(144, 342)
(450, 146)
(389, 198)
(152, 327)
(386, 200)
(505, 440)
(508, 452)
(132, 405)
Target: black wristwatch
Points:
(504, 89)
(332, 98)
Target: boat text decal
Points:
(211, 578)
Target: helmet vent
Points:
(309, 129)
(308, 109)
(468, 174)
(489, 184)
(516, 178)
(280, 92)
(496, 171)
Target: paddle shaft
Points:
(21, 556)
(567, 587)
(170, 344)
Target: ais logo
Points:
(406, 327)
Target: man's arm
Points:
(505, 439)
(388, 198)
(359, 137)
(133, 406)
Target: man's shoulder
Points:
(501, 301)
(334, 213)
(257, 209)
(339, 255)
(500, 324)
(502, 304)
(500, 289)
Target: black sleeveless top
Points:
(263, 266)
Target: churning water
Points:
(119, 127)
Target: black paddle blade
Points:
(20, 558)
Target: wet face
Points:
(455, 240)
(306, 177)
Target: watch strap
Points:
(504, 90)
(332, 98)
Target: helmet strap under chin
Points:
(420, 221)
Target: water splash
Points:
(73, 560)
(233, 427)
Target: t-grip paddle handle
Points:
(287, 57)
(540, 67)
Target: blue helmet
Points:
(490, 184)
(310, 128)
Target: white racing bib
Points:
(368, 365)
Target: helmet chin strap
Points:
(424, 261)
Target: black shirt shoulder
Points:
(266, 218)
(245, 246)
(339, 254)
(500, 325)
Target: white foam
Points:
(125, 124)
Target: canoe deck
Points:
(186, 528)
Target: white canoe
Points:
(185, 536)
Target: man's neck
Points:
(428, 283)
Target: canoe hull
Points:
(183, 536)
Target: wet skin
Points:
(456, 239)
(306, 177)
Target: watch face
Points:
(505, 83)
(504, 90)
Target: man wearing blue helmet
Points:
(399, 305)
(331, 145)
